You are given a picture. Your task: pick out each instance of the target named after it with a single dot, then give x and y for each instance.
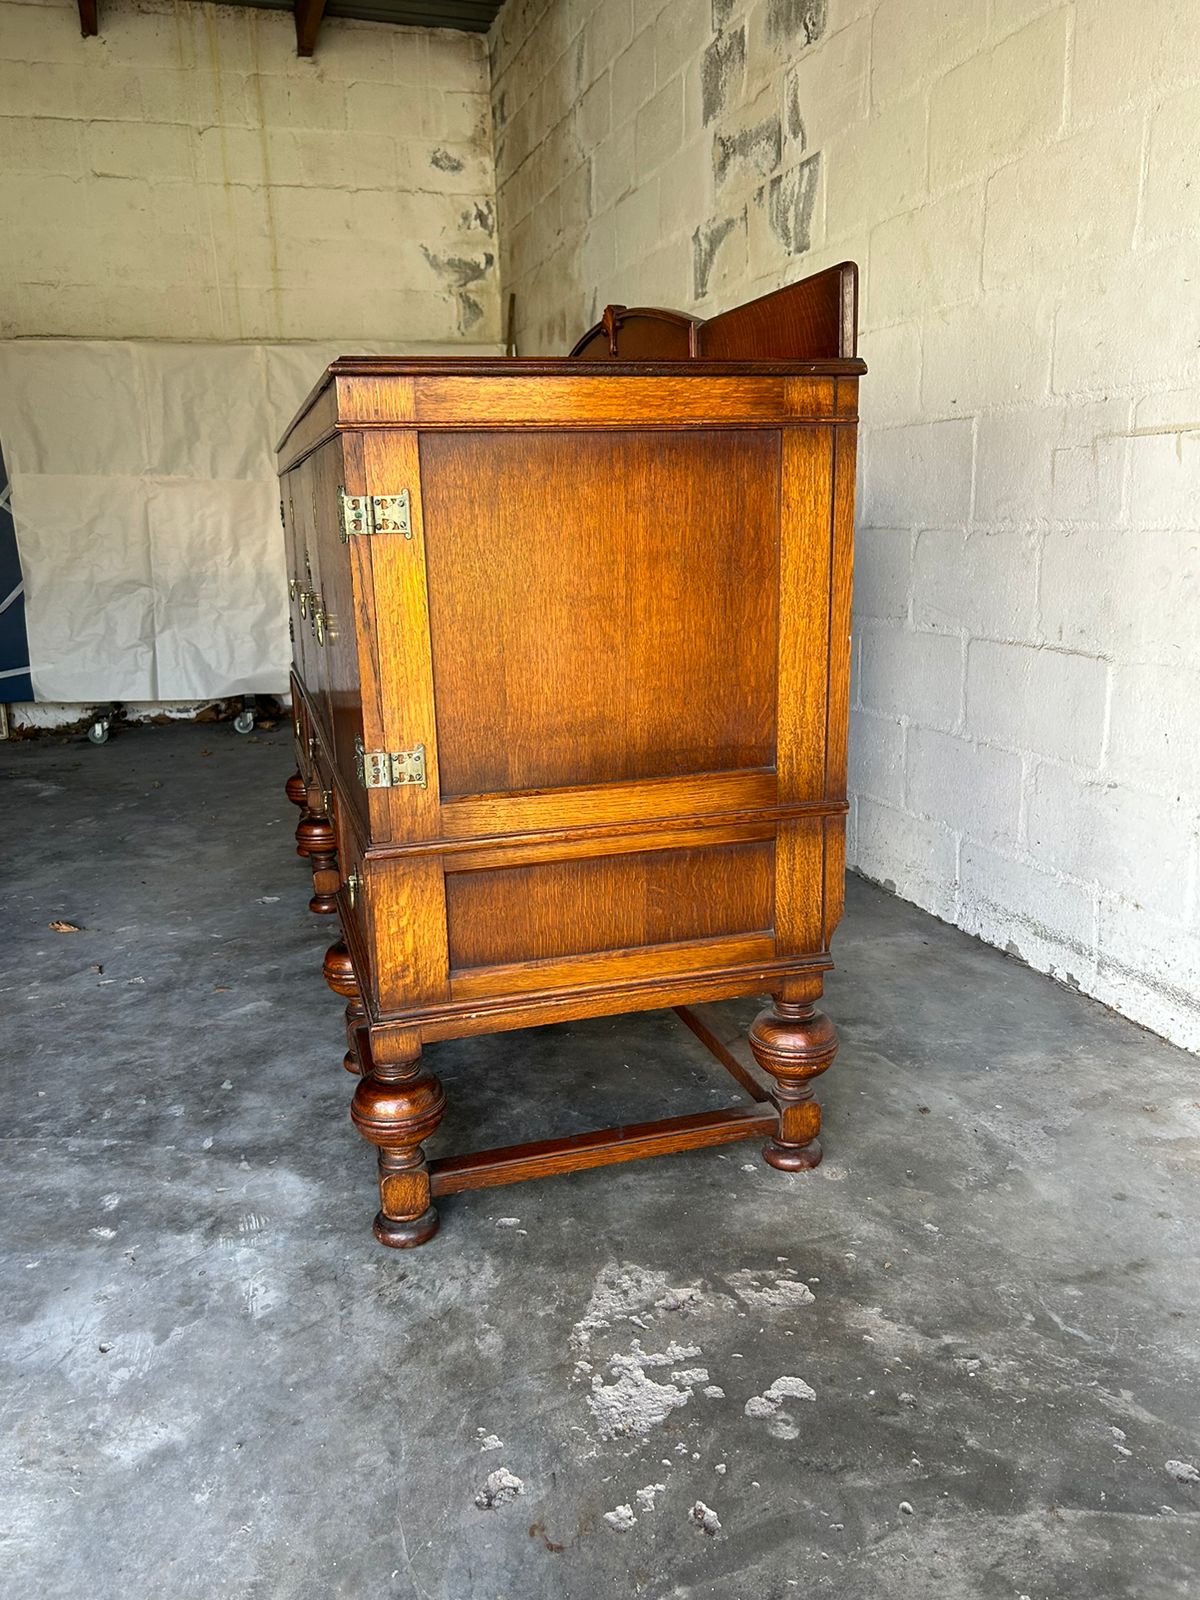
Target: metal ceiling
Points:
(469, 16)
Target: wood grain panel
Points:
(610, 967)
(470, 816)
(578, 397)
(401, 628)
(804, 579)
(531, 913)
(624, 631)
(405, 909)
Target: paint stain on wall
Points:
(706, 241)
(799, 22)
(790, 201)
(759, 147)
(722, 70)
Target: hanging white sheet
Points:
(147, 511)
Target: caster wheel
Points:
(244, 722)
(98, 732)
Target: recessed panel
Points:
(603, 606)
(566, 908)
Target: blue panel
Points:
(15, 682)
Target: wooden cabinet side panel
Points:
(337, 635)
(804, 599)
(841, 583)
(400, 626)
(406, 910)
(603, 604)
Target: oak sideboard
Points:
(571, 661)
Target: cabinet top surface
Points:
(432, 369)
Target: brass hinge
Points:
(389, 769)
(375, 513)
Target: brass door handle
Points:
(353, 885)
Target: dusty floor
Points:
(216, 1384)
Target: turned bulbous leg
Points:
(396, 1107)
(795, 1043)
(297, 793)
(338, 971)
(315, 834)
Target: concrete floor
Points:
(216, 1384)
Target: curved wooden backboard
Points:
(813, 320)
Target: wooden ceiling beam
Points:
(89, 20)
(308, 14)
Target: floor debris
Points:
(705, 1517)
(500, 1488)
(622, 1519)
(633, 1403)
(1183, 1471)
(770, 1402)
(645, 1497)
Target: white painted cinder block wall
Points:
(186, 175)
(1019, 181)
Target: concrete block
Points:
(1155, 720)
(333, 160)
(914, 675)
(913, 39)
(658, 129)
(920, 475)
(1134, 844)
(1031, 698)
(980, 582)
(994, 352)
(301, 103)
(876, 766)
(609, 30)
(719, 255)
(748, 145)
(1040, 917)
(302, 214)
(913, 858)
(882, 573)
(140, 150)
(973, 789)
(444, 167)
(637, 231)
(39, 33)
(877, 168)
(1164, 478)
(1021, 83)
(664, 273)
(612, 168)
(827, 89)
(39, 144)
(1042, 215)
(893, 355)
(594, 115)
(1149, 969)
(1141, 598)
(927, 258)
(1123, 324)
(456, 62)
(1171, 204)
(680, 34)
(684, 185)
(1061, 462)
(633, 78)
(1123, 53)
(722, 74)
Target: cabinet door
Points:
(334, 633)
